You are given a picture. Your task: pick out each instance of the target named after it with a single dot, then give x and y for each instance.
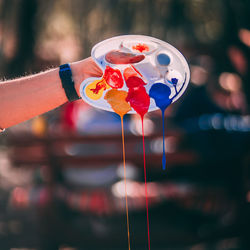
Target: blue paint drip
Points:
(164, 161)
(160, 93)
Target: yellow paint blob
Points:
(117, 100)
(95, 89)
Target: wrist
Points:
(68, 83)
(78, 74)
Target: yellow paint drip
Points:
(117, 100)
(99, 85)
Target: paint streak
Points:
(118, 57)
(160, 93)
(141, 47)
(101, 85)
(117, 100)
(136, 70)
(95, 89)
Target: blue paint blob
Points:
(160, 93)
(163, 59)
(174, 81)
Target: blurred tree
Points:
(25, 35)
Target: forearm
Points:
(24, 98)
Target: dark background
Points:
(213, 116)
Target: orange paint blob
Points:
(117, 100)
(128, 72)
(141, 47)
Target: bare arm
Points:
(26, 97)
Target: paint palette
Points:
(133, 67)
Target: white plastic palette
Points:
(162, 64)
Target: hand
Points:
(84, 69)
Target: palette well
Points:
(140, 59)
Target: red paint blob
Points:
(113, 77)
(139, 100)
(118, 57)
(141, 47)
(134, 81)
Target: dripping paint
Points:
(117, 100)
(139, 101)
(160, 93)
(125, 89)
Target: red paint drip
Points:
(139, 100)
(113, 77)
(141, 47)
(145, 178)
(100, 85)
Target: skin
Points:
(26, 97)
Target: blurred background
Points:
(61, 177)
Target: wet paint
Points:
(138, 72)
(137, 97)
(117, 100)
(145, 179)
(163, 59)
(141, 47)
(95, 89)
(113, 77)
(125, 181)
(139, 101)
(128, 72)
(118, 57)
(100, 85)
(160, 93)
(134, 82)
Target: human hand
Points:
(84, 69)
